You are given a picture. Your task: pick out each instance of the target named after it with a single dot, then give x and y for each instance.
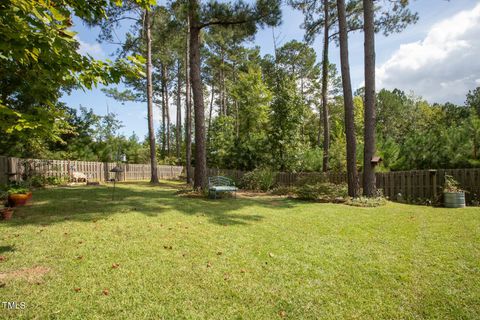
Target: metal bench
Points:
(220, 184)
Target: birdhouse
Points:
(116, 169)
(376, 161)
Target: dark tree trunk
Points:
(151, 132)
(178, 126)
(325, 112)
(352, 177)
(200, 180)
(369, 181)
(162, 90)
(167, 108)
(210, 113)
(223, 94)
(188, 109)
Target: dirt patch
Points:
(32, 275)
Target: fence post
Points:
(433, 178)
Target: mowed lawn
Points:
(75, 254)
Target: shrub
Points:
(284, 191)
(3, 197)
(260, 179)
(451, 185)
(311, 178)
(367, 202)
(55, 181)
(38, 181)
(323, 191)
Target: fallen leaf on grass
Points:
(271, 255)
(282, 314)
(77, 289)
(3, 258)
(79, 257)
(209, 265)
(105, 292)
(115, 265)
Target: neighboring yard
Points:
(75, 254)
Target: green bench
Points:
(220, 184)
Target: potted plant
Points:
(18, 195)
(453, 195)
(6, 213)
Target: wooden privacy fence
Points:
(14, 168)
(411, 185)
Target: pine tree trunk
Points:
(369, 180)
(352, 177)
(200, 180)
(210, 112)
(224, 94)
(325, 111)
(167, 108)
(151, 132)
(178, 125)
(188, 109)
(162, 90)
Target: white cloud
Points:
(93, 49)
(441, 67)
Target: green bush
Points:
(284, 191)
(260, 179)
(322, 191)
(55, 181)
(311, 178)
(3, 197)
(38, 181)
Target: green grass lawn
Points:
(162, 256)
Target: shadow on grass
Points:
(4, 249)
(91, 203)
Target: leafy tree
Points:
(285, 123)
(473, 100)
(253, 98)
(38, 45)
(221, 147)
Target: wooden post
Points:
(433, 177)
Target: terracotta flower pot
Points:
(17, 199)
(7, 213)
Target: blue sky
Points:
(437, 58)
